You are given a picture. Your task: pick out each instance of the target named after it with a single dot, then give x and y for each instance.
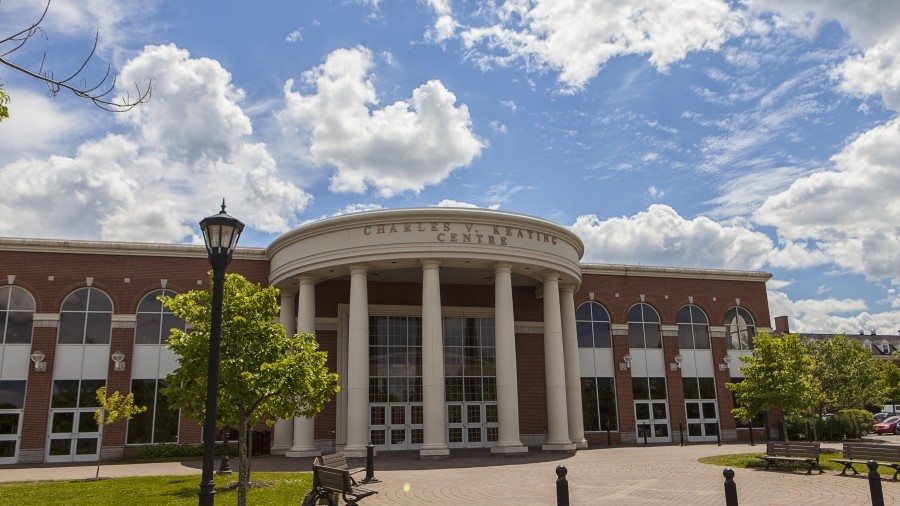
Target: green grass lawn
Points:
(741, 460)
(268, 488)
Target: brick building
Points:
(450, 328)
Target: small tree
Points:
(777, 374)
(264, 374)
(845, 373)
(115, 408)
(4, 99)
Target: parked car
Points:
(887, 426)
(879, 417)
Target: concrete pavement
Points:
(633, 475)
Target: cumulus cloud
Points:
(850, 211)
(576, 38)
(184, 151)
(831, 315)
(660, 236)
(876, 71)
(400, 147)
(467, 205)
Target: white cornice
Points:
(119, 248)
(673, 272)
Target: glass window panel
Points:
(12, 394)
(684, 315)
(9, 423)
(397, 388)
(488, 362)
(642, 411)
(454, 389)
(98, 301)
(416, 415)
(490, 388)
(490, 413)
(657, 388)
(170, 321)
(635, 314)
(377, 437)
(71, 328)
(4, 297)
(474, 434)
(709, 410)
(583, 312)
(99, 327)
(86, 422)
(140, 427)
(454, 435)
(691, 390)
(707, 388)
(378, 415)
(62, 422)
(711, 428)
(146, 329)
(693, 410)
(473, 413)
(701, 337)
(653, 335)
(606, 396)
(454, 413)
(695, 430)
(65, 394)
(685, 337)
(166, 427)
(414, 329)
(149, 304)
(698, 316)
(415, 390)
(660, 430)
(473, 392)
(640, 388)
(86, 446)
(636, 335)
(398, 415)
(60, 446)
(453, 361)
(414, 367)
(76, 301)
(19, 325)
(589, 405)
(493, 434)
(602, 335)
(7, 449)
(88, 393)
(417, 436)
(584, 331)
(659, 411)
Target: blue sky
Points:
(759, 135)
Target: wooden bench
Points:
(793, 452)
(328, 482)
(337, 461)
(861, 453)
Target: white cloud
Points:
(189, 148)
(498, 127)
(400, 147)
(850, 212)
(444, 26)
(38, 125)
(295, 36)
(830, 315)
(577, 37)
(655, 193)
(510, 104)
(659, 236)
(877, 71)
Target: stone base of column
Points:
(581, 445)
(355, 452)
(279, 450)
(303, 452)
(559, 447)
(437, 452)
(509, 450)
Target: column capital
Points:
(430, 263)
(550, 276)
(307, 279)
(567, 288)
(359, 268)
(502, 267)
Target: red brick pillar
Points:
(118, 381)
(37, 398)
(624, 393)
(727, 423)
(674, 385)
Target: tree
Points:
(99, 91)
(777, 374)
(264, 374)
(4, 99)
(845, 373)
(115, 408)
(889, 381)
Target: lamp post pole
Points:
(221, 233)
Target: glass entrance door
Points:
(74, 436)
(652, 421)
(472, 425)
(702, 422)
(10, 431)
(396, 426)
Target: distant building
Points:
(882, 346)
(450, 328)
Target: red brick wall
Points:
(532, 387)
(674, 384)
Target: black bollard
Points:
(224, 468)
(370, 464)
(608, 436)
(681, 432)
(646, 430)
(718, 437)
(562, 486)
(750, 423)
(875, 484)
(731, 498)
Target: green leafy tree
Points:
(4, 99)
(114, 408)
(263, 373)
(845, 373)
(889, 381)
(777, 374)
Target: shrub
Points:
(168, 450)
(856, 423)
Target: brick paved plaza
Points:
(617, 476)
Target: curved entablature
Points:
(400, 238)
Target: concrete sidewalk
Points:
(634, 475)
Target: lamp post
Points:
(220, 233)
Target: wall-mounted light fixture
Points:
(627, 362)
(674, 366)
(726, 364)
(119, 358)
(38, 359)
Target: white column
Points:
(358, 364)
(435, 437)
(304, 428)
(573, 369)
(284, 429)
(507, 381)
(554, 370)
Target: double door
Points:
(702, 421)
(472, 425)
(396, 426)
(10, 435)
(652, 421)
(74, 436)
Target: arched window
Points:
(592, 326)
(643, 327)
(85, 317)
(693, 328)
(155, 321)
(739, 329)
(16, 315)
